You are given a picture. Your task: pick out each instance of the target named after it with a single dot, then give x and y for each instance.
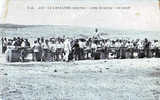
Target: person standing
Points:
(4, 45)
(67, 49)
(52, 45)
(146, 47)
(107, 48)
(94, 49)
(45, 49)
(76, 50)
(25, 45)
(118, 46)
(36, 51)
(140, 47)
(82, 46)
(156, 49)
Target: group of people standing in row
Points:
(65, 49)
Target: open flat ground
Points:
(127, 79)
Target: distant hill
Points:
(17, 26)
(12, 26)
(34, 31)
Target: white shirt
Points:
(59, 45)
(67, 45)
(108, 44)
(82, 44)
(36, 47)
(140, 45)
(23, 44)
(118, 44)
(93, 46)
(53, 47)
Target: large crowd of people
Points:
(66, 49)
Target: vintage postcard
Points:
(79, 49)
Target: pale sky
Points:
(142, 14)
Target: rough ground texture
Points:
(128, 79)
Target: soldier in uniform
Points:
(107, 47)
(67, 49)
(122, 50)
(4, 45)
(157, 49)
(93, 48)
(17, 42)
(36, 51)
(88, 48)
(76, 50)
(146, 47)
(59, 50)
(140, 49)
(53, 49)
(82, 45)
(25, 45)
(45, 49)
(118, 46)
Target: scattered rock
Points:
(155, 74)
(23, 87)
(55, 70)
(47, 87)
(75, 63)
(157, 83)
(155, 92)
(107, 68)
(157, 69)
(100, 71)
(49, 92)
(5, 74)
(13, 91)
(66, 72)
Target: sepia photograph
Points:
(79, 50)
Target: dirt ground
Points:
(128, 79)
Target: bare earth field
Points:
(128, 79)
